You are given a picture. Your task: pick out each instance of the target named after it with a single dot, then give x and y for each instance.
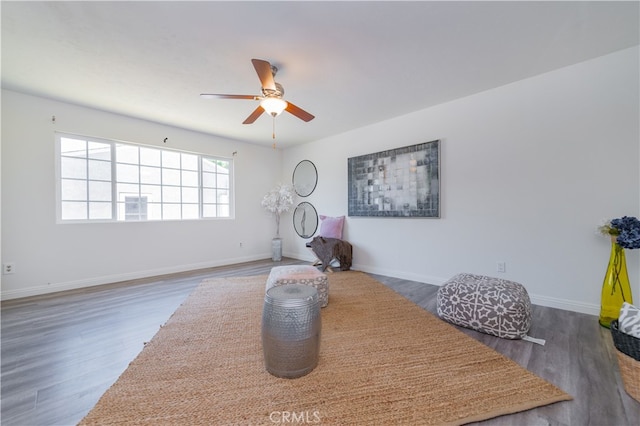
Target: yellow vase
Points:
(615, 288)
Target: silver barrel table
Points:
(291, 326)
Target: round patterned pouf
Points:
(291, 325)
(486, 304)
(300, 274)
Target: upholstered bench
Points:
(300, 274)
(490, 305)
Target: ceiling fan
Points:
(271, 100)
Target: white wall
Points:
(50, 256)
(528, 172)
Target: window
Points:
(101, 180)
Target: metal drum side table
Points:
(291, 325)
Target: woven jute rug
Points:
(383, 361)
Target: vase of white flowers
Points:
(277, 201)
(616, 289)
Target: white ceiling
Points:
(348, 63)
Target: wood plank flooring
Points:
(61, 351)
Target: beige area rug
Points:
(383, 360)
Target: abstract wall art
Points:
(400, 182)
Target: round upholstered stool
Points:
(291, 326)
(300, 274)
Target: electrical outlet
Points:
(501, 267)
(8, 268)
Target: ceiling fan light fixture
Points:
(273, 106)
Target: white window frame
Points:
(220, 207)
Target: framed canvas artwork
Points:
(400, 182)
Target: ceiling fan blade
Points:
(254, 115)
(220, 96)
(299, 112)
(263, 68)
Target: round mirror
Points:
(305, 178)
(305, 219)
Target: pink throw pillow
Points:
(331, 227)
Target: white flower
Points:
(277, 201)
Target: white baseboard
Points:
(109, 279)
(566, 305)
(428, 279)
(552, 302)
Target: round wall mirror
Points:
(305, 219)
(305, 178)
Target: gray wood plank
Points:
(61, 352)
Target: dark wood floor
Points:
(60, 352)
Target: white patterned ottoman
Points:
(300, 274)
(490, 305)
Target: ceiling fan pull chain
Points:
(273, 134)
